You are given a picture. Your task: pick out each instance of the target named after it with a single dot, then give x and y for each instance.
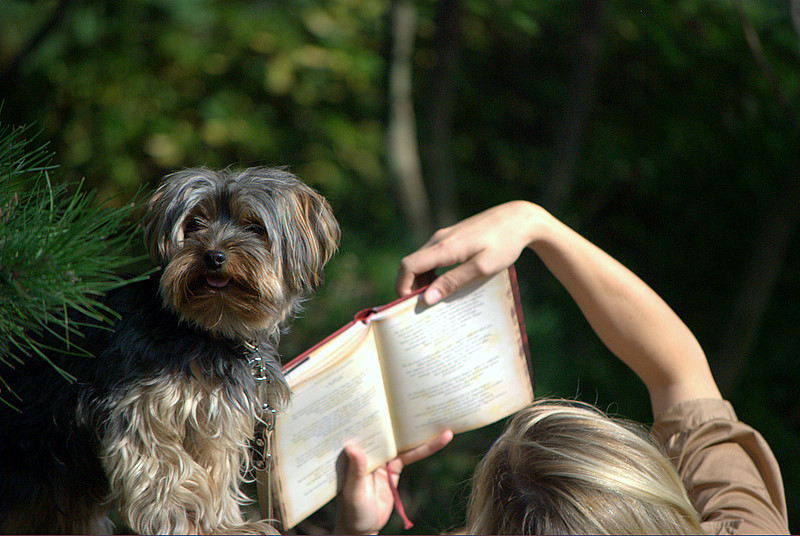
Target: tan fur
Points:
(179, 467)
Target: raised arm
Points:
(627, 315)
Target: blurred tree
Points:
(403, 152)
(777, 227)
(571, 129)
(10, 71)
(673, 151)
(439, 109)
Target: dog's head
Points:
(239, 249)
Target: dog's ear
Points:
(312, 237)
(156, 229)
(163, 232)
(169, 207)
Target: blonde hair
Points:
(565, 467)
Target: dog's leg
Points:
(174, 456)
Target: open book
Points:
(395, 377)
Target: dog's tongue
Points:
(217, 282)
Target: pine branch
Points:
(60, 250)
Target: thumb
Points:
(451, 281)
(351, 466)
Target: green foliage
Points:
(685, 151)
(58, 252)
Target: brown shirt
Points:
(729, 470)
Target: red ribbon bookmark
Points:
(398, 504)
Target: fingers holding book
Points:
(481, 245)
(365, 500)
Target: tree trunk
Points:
(439, 112)
(777, 229)
(796, 16)
(580, 96)
(9, 74)
(402, 149)
(744, 324)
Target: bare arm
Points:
(627, 315)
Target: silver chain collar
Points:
(261, 446)
(265, 416)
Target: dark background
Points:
(666, 132)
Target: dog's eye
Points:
(256, 229)
(194, 224)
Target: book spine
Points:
(512, 277)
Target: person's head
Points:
(564, 467)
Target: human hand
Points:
(481, 245)
(365, 500)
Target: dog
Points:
(159, 422)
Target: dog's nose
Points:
(215, 259)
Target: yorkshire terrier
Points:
(159, 422)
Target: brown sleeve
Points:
(727, 467)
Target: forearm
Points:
(627, 315)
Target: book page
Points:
(330, 406)
(460, 364)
